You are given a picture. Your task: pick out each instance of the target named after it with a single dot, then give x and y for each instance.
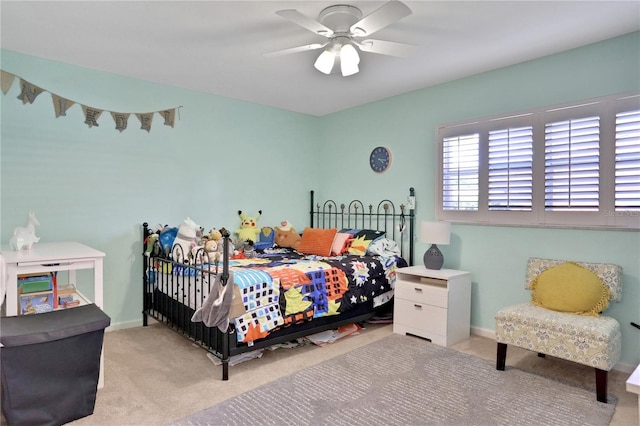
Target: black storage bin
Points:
(50, 364)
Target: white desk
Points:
(633, 385)
(50, 257)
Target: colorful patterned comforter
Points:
(286, 288)
(280, 289)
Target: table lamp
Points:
(434, 233)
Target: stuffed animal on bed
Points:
(286, 236)
(248, 227)
(185, 240)
(212, 245)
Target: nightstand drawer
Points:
(421, 293)
(421, 316)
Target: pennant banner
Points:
(121, 119)
(91, 116)
(61, 105)
(145, 121)
(29, 92)
(6, 80)
(169, 116)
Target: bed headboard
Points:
(397, 221)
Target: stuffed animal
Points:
(248, 227)
(286, 236)
(150, 244)
(185, 240)
(266, 239)
(211, 245)
(248, 250)
(214, 235)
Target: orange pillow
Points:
(317, 241)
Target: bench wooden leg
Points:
(601, 385)
(501, 356)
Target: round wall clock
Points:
(380, 159)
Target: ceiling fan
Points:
(347, 31)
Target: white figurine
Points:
(24, 237)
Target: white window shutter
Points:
(627, 163)
(460, 172)
(572, 164)
(510, 180)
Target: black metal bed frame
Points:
(176, 314)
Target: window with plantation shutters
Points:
(570, 166)
(627, 168)
(460, 172)
(510, 180)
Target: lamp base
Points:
(433, 258)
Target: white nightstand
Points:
(434, 304)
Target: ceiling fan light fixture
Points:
(342, 25)
(325, 61)
(349, 60)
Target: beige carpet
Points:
(154, 376)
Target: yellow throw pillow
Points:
(569, 287)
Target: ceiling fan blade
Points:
(387, 14)
(305, 22)
(297, 49)
(384, 47)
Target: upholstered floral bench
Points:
(564, 317)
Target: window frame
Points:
(606, 217)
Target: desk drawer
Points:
(422, 293)
(420, 316)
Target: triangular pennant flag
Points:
(6, 80)
(28, 92)
(91, 116)
(61, 105)
(121, 119)
(145, 120)
(169, 116)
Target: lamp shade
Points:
(349, 60)
(435, 232)
(325, 61)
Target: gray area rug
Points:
(402, 380)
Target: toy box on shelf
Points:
(36, 294)
(69, 297)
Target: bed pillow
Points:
(341, 243)
(569, 287)
(362, 239)
(317, 241)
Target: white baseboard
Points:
(483, 332)
(491, 334)
(123, 325)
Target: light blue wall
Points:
(97, 185)
(496, 256)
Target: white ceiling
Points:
(217, 47)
